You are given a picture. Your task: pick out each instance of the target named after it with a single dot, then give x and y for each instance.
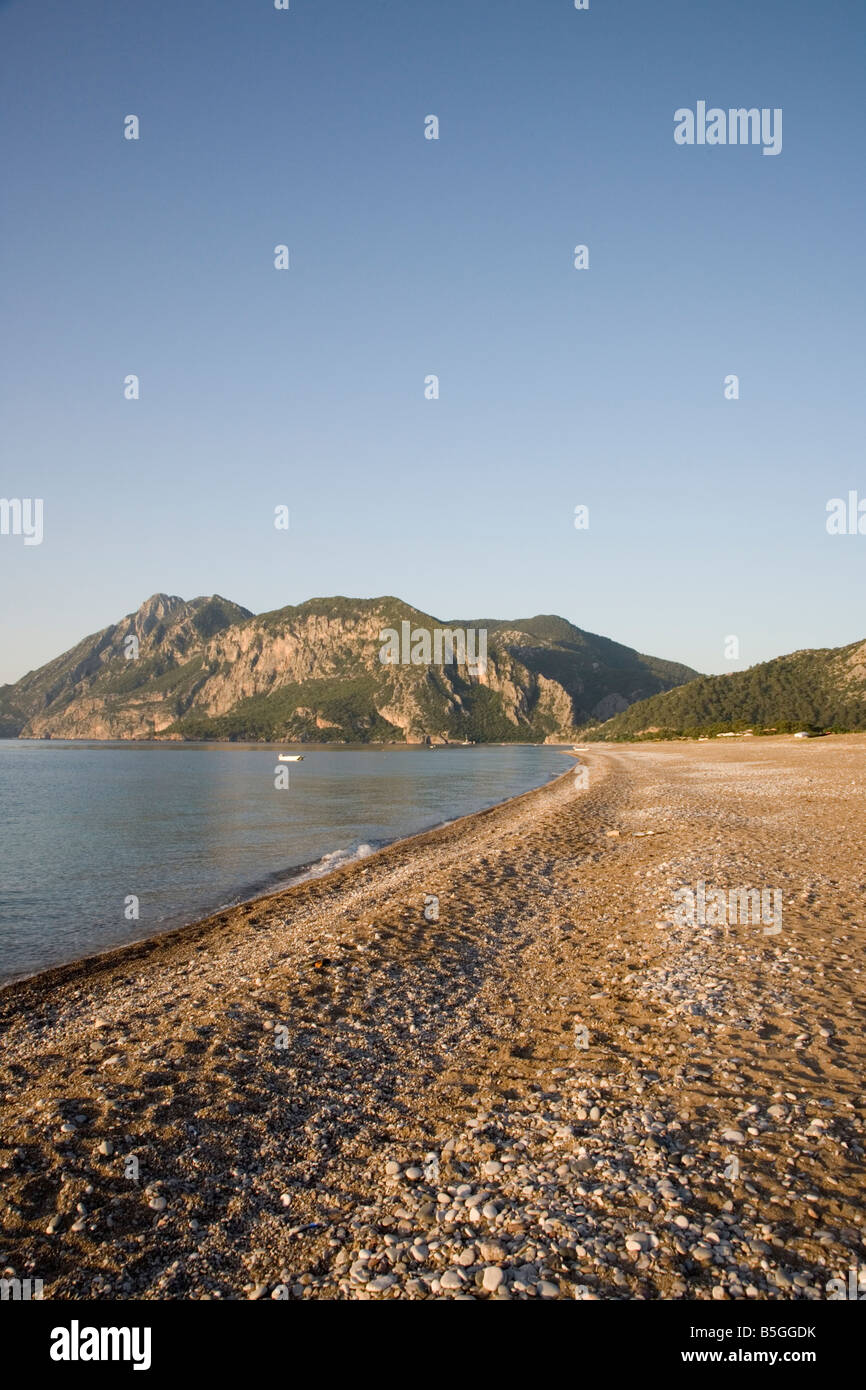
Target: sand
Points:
(554, 1090)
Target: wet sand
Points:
(554, 1089)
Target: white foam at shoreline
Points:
(336, 859)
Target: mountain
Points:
(208, 668)
(823, 689)
(94, 688)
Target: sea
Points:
(106, 843)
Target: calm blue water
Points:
(190, 828)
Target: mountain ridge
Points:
(210, 668)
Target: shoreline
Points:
(113, 955)
(547, 1089)
(263, 744)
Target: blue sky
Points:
(454, 257)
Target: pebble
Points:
(491, 1250)
(381, 1283)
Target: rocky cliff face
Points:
(208, 668)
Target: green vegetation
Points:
(151, 675)
(484, 719)
(391, 612)
(216, 614)
(289, 714)
(12, 720)
(817, 691)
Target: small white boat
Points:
(290, 757)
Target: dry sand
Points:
(552, 1091)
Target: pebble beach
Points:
(488, 1062)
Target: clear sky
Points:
(412, 257)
